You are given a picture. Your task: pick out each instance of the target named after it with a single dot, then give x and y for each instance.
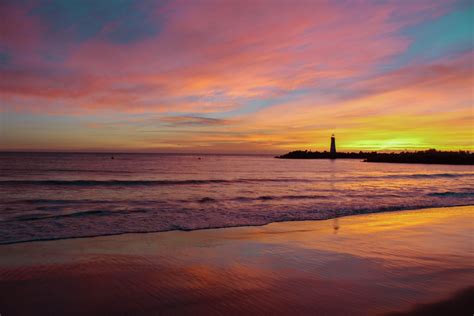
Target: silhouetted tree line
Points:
(431, 156)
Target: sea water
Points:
(63, 195)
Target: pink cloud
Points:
(234, 50)
(221, 56)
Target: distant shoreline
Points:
(431, 156)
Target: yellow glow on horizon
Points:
(388, 144)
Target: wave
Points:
(206, 199)
(39, 216)
(428, 175)
(151, 202)
(49, 201)
(262, 198)
(138, 182)
(452, 194)
(279, 197)
(67, 170)
(340, 177)
(108, 182)
(284, 217)
(127, 209)
(216, 181)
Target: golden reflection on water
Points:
(358, 265)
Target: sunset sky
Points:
(236, 76)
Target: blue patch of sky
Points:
(252, 105)
(448, 34)
(4, 58)
(15, 120)
(53, 57)
(80, 20)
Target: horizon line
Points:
(213, 153)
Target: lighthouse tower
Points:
(333, 146)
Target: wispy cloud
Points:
(280, 74)
(193, 121)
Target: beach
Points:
(393, 262)
(236, 157)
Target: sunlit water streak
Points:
(70, 195)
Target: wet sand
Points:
(409, 262)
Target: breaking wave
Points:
(216, 181)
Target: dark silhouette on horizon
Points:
(430, 156)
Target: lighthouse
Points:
(333, 146)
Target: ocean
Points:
(66, 195)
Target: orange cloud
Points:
(261, 75)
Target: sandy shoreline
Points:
(335, 214)
(363, 264)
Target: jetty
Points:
(430, 156)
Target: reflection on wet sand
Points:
(335, 225)
(379, 263)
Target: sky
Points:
(236, 76)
